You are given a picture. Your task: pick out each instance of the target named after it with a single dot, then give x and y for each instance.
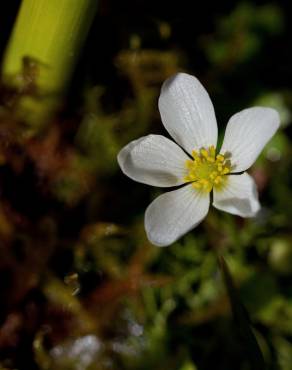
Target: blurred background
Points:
(81, 288)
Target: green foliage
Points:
(241, 34)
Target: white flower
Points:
(188, 115)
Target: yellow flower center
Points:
(207, 170)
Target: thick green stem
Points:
(50, 33)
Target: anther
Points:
(207, 169)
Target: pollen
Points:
(207, 170)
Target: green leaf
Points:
(242, 321)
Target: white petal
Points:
(154, 160)
(187, 112)
(239, 197)
(175, 213)
(247, 133)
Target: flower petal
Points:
(154, 160)
(247, 133)
(187, 112)
(239, 197)
(175, 213)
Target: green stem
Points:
(50, 33)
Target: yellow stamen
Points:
(220, 157)
(204, 152)
(207, 170)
